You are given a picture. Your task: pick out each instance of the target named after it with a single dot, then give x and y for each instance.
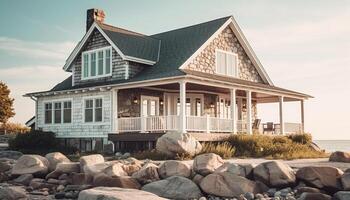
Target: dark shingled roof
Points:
(176, 47)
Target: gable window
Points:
(93, 110)
(58, 112)
(226, 63)
(96, 63)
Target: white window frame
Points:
(149, 98)
(96, 63)
(216, 63)
(93, 98)
(52, 102)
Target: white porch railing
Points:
(242, 126)
(129, 124)
(292, 128)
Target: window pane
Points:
(57, 114)
(88, 110)
(108, 61)
(153, 107)
(198, 107)
(100, 62)
(48, 113)
(188, 106)
(98, 110)
(93, 63)
(221, 62)
(67, 112)
(231, 64)
(86, 65)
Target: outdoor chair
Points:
(256, 124)
(268, 127)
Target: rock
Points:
(53, 181)
(249, 196)
(24, 179)
(314, 196)
(126, 155)
(64, 168)
(31, 164)
(37, 183)
(107, 193)
(77, 187)
(197, 179)
(342, 195)
(131, 168)
(326, 178)
(118, 181)
(108, 149)
(94, 169)
(60, 195)
(10, 154)
(340, 156)
(207, 163)
(60, 188)
(6, 165)
(301, 190)
(225, 184)
(55, 158)
(12, 193)
(147, 174)
(173, 143)
(174, 168)
(81, 179)
(115, 170)
(274, 174)
(90, 160)
(239, 170)
(345, 180)
(175, 187)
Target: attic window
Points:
(96, 63)
(226, 63)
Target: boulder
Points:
(115, 170)
(90, 160)
(207, 163)
(274, 174)
(147, 174)
(12, 193)
(55, 158)
(108, 148)
(326, 178)
(225, 184)
(197, 179)
(174, 168)
(175, 187)
(10, 154)
(117, 181)
(342, 195)
(31, 164)
(6, 164)
(340, 156)
(173, 143)
(301, 190)
(64, 168)
(37, 183)
(131, 168)
(345, 180)
(115, 193)
(314, 196)
(239, 170)
(24, 179)
(97, 168)
(81, 179)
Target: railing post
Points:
(143, 124)
(182, 127)
(208, 123)
(281, 99)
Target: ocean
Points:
(334, 145)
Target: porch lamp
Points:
(135, 100)
(161, 102)
(212, 105)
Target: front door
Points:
(194, 104)
(149, 106)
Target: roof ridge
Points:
(118, 29)
(193, 25)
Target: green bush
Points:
(225, 149)
(38, 142)
(301, 138)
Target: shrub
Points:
(225, 149)
(14, 128)
(301, 138)
(38, 142)
(151, 154)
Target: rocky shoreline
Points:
(208, 176)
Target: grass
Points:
(225, 150)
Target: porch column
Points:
(114, 107)
(302, 116)
(233, 110)
(249, 113)
(281, 98)
(182, 127)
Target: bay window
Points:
(226, 63)
(97, 63)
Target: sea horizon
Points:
(334, 145)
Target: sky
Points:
(303, 45)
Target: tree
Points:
(6, 103)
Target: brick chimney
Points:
(92, 15)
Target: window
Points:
(67, 112)
(58, 112)
(48, 113)
(97, 63)
(226, 63)
(93, 110)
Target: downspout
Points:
(36, 111)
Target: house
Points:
(129, 88)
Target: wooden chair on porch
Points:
(268, 127)
(256, 125)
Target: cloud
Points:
(47, 50)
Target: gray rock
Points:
(274, 174)
(6, 164)
(55, 158)
(12, 193)
(301, 190)
(239, 170)
(10, 154)
(24, 179)
(175, 187)
(205, 164)
(147, 174)
(314, 196)
(342, 195)
(340, 156)
(174, 168)
(249, 196)
(345, 180)
(64, 168)
(197, 179)
(125, 155)
(31, 164)
(90, 160)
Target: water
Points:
(334, 145)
